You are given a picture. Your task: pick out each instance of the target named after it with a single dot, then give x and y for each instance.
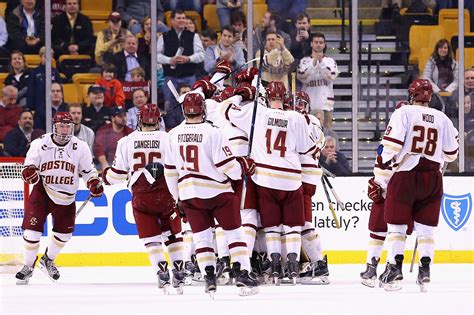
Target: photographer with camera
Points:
(300, 37)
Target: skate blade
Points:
(368, 282)
(188, 280)
(165, 288)
(22, 282)
(423, 285)
(315, 281)
(392, 286)
(277, 281)
(223, 279)
(246, 291)
(45, 271)
(179, 290)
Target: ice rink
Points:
(133, 290)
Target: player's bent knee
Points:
(32, 236)
(63, 237)
(423, 229)
(397, 228)
(151, 239)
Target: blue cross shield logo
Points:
(456, 210)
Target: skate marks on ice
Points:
(133, 290)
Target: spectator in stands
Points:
(188, 5)
(25, 25)
(183, 89)
(179, 68)
(237, 21)
(139, 99)
(3, 38)
(270, 23)
(19, 76)
(442, 69)
(317, 72)
(208, 38)
(12, 4)
(452, 104)
(300, 37)
(57, 99)
(113, 88)
(57, 7)
(9, 110)
(72, 32)
(96, 114)
(134, 11)
(277, 61)
(225, 50)
(108, 135)
(81, 131)
(138, 74)
(144, 38)
(17, 141)
(332, 160)
(225, 8)
(468, 112)
(191, 25)
(319, 114)
(288, 9)
(129, 59)
(36, 97)
(110, 40)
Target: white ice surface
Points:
(133, 290)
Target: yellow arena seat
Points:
(96, 9)
(85, 78)
(210, 15)
(99, 25)
(71, 93)
(468, 57)
(423, 36)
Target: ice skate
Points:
(245, 281)
(391, 278)
(24, 275)
(47, 266)
(163, 277)
(315, 273)
(423, 277)
(369, 276)
(223, 270)
(292, 267)
(265, 268)
(277, 271)
(210, 281)
(198, 276)
(178, 276)
(189, 272)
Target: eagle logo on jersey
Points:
(456, 210)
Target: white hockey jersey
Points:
(279, 137)
(199, 162)
(133, 153)
(310, 170)
(416, 131)
(60, 166)
(318, 81)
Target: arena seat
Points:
(468, 57)
(210, 15)
(423, 36)
(96, 10)
(85, 78)
(99, 25)
(71, 93)
(448, 19)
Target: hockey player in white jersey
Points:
(139, 159)
(199, 167)
(418, 141)
(279, 137)
(53, 165)
(317, 72)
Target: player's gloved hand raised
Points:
(246, 75)
(247, 164)
(247, 92)
(95, 187)
(374, 191)
(223, 66)
(207, 87)
(30, 175)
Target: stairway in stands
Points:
(378, 93)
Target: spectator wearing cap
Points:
(129, 59)
(178, 67)
(25, 26)
(110, 40)
(113, 88)
(81, 131)
(108, 135)
(72, 32)
(9, 110)
(96, 114)
(17, 141)
(134, 11)
(36, 96)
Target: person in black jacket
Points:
(18, 76)
(332, 160)
(72, 32)
(18, 140)
(128, 59)
(300, 37)
(22, 36)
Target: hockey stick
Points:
(328, 173)
(338, 200)
(252, 126)
(86, 202)
(333, 212)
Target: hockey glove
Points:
(247, 164)
(374, 191)
(223, 66)
(247, 93)
(95, 187)
(207, 87)
(245, 75)
(180, 209)
(30, 175)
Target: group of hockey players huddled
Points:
(228, 191)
